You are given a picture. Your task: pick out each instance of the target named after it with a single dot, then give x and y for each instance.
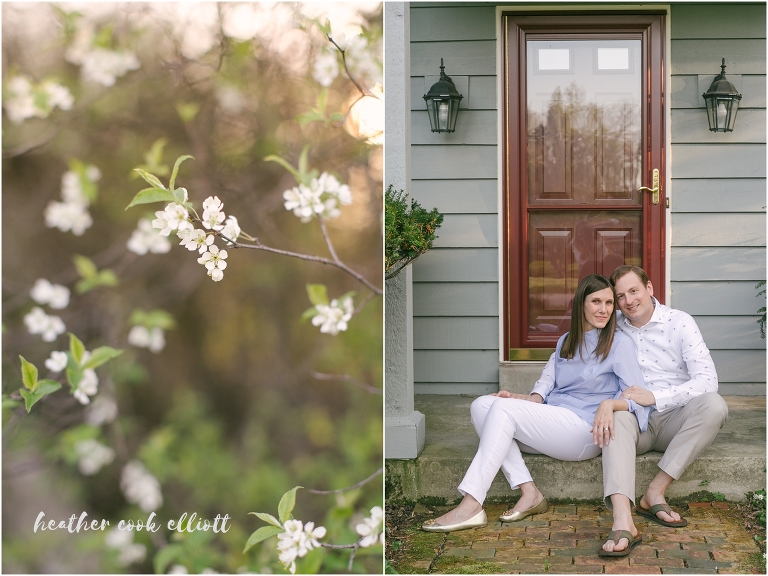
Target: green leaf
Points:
(165, 556)
(155, 154)
(307, 117)
(101, 355)
(268, 518)
(284, 164)
(175, 172)
(9, 403)
(318, 294)
(153, 319)
(45, 387)
(261, 534)
(187, 110)
(77, 348)
(74, 375)
(107, 278)
(85, 266)
(336, 117)
(309, 313)
(303, 162)
(151, 179)
(28, 374)
(287, 502)
(150, 195)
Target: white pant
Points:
(507, 425)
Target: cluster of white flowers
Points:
(143, 337)
(180, 569)
(140, 487)
(174, 217)
(102, 411)
(55, 295)
(57, 362)
(27, 100)
(372, 529)
(72, 214)
(326, 67)
(92, 455)
(321, 198)
(213, 214)
(297, 540)
(758, 497)
(147, 239)
(99, 64)
(122, 540)
(88, 385)
(38, 322)
(333, 319)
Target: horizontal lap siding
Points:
(456, 285)
(718, 189)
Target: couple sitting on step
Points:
(621, 383)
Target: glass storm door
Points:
(582, 140)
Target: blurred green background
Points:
(227, 416)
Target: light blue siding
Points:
(717, 193)
(718, 187)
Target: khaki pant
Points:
(681, 433)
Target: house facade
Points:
(568, 111)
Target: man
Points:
(681, 384)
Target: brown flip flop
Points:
(651, 515)
(617, 535)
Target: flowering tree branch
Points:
(359, 86)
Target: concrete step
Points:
(733, 465)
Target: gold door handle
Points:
(655, 190)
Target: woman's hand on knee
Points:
(603, 430)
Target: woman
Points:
(568, 419)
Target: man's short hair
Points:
(626, 269)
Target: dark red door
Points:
(584, 125)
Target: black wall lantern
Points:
(443, 103)
(722, 101)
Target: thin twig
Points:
(340, 265)
(363, 303)
(328, 240)
(24, 148)
(361, 483)
(360, 87)
(347, 378)
(352, 557)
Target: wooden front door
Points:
(584, 132)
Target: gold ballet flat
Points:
(479, 519)
(510, 516)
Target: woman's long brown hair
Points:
(575, 337)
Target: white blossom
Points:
(213, 217)
(88, 385)
(92, 456)
(758, 497)
(178, 569)
(174, 217)
(230, 99)
(143, 337)
(304, 201)
(57, 362)
(296, 541)
(140, 487)
(231, 229)
(101, 411)
(372, 529)
(147, 239)
(213, 260)
(26, 100)
(55, 295)
(122, 540)
(326, 68)
(195, 239)
(68, 216)
(38, 322)
(321, 198)
(333, 319)
(105, 66)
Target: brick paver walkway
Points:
(566, 539)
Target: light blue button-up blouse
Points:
(582, 383)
